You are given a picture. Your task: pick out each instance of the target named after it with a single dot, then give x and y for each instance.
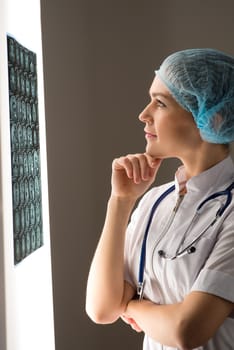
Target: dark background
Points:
(99, 61)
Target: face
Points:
(170, 130)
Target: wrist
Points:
(118, 213)
(134, 305)
(122, 201)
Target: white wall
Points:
(26, 305)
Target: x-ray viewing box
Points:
(26, 304)
(25, 150)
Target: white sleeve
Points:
(217, 275)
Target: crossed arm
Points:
(184, 325)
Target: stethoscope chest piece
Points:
(189, 250)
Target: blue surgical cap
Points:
(202, 82)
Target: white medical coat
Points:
(210, 269)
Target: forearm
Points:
(160, 322)
(106, 293)
(185, 325)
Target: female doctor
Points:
(167, 269)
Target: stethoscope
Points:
(189, 249)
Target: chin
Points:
(156, 151)
(153, 153)
(158, 155)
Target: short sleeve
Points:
(217, 275)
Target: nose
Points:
(145, 116)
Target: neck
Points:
(204, 158)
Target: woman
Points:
(185, 283)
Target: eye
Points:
(159, 103)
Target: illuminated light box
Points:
(25, 150)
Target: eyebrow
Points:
(160, 94)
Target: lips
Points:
(150, 135)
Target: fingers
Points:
(139, 167)
(132, 323)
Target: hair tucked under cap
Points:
(202, 82)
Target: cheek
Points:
(180, 123)
(190, 135)
(184, 121)
(183, 133)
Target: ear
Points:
(217, 121)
